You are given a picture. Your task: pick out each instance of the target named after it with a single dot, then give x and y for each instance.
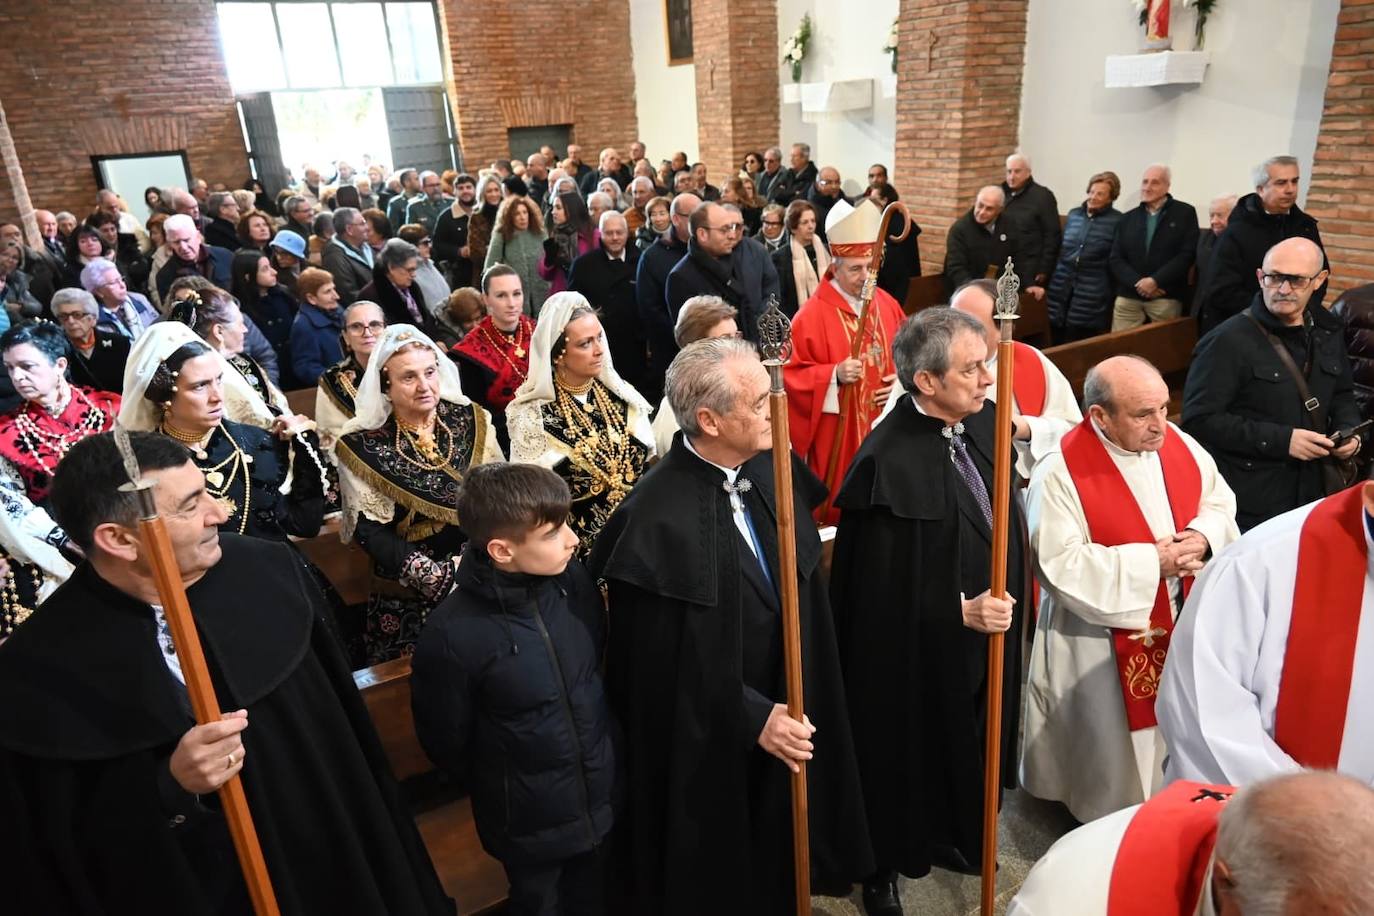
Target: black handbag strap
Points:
(1316, 412)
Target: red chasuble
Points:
(822, 335)
(1028, 383)
(507, 358)
(34, 441)
(1114, 518)
(1163, 857)
(1319, 659)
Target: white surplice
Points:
(1074, 877)
(1077, 747)
(1221, 682)
(1060, 415)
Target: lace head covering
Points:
(373, 407)
(147, 363)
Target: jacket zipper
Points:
(572, 724)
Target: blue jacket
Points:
(314, 344)
(507, 697)
(1081, 292)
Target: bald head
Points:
(1302, 254)
(988, 205)
(828, 181)
(1302, 842)
(1129, 400)
(47, 223)
(978, 298)
(1292, 271)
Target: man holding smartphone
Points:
(1270, 387)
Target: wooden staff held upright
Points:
(775, 340)
(848, 393)
(1008, 287)
(172, 593)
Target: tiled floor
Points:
(1028, 827)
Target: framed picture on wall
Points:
(678, 14)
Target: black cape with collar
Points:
(91, 821)
(694, 659)
(911, 538)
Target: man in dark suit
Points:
(721, 262)
(1034, 207)
(1153, 250)
(985, 237)
(606, 276)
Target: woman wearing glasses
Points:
(335, 394)
(393, 287)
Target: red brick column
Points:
(513, 65)
(1341, 192)
(89, 79)
(735, 51)
(958, 107)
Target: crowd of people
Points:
(540, 412)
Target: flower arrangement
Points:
(891, 46)
(794, 51)
(1204, 9)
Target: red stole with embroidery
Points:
(1028, 383)
(1162, 861)
(1114, 518)
(1319, 660)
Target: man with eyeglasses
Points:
(1258, 222)
(1270, 391)
(771, 235)
(823, 194)
(772, 181)
(651, 283)
(721, 262)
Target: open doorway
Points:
(327, 126)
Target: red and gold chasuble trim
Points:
(1161, 864)
(1114, 518)
(876, 356)
(1028, 382)
(1319, 659)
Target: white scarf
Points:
(807, 278)
(241, 403)
(373, 407)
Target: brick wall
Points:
(735, 52)
(514, 65)
(86, 80)
(958, 107)
(1341, 193)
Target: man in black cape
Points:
(909, 586)
(107, 786)
(694, 664)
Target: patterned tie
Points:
(958, 453)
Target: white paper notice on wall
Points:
(1159, 69)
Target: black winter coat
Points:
(1080, 293)
(1169, 256)
(657, 322)
(383, 292)
(1250, 232)
(745, 279)
(507, 697)
(1034, 205)
(609, 285)
(1355, 309)
(1242, 405)
(970, 249)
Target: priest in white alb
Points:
(1273, 662)
(1120, 520)
(1043, 405)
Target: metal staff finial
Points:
(775, 334)
(1008, 294)
(137, 484)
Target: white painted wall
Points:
(1262, 96)
(665, 97)
(846, 43)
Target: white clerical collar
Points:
(853, 302)
(1113, 448)
(730, 473)
(615, 257)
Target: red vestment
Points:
(822, 337)
(1161, 864)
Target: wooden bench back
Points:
(1167, 344)
(302, 401)
(386, 691)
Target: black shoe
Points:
(880, 896)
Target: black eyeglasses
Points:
(1296, 282)
(357, 327)
(772, 222)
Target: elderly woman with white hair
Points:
(576, 416)
(98, 356)
(402, 459)
(121, 311)
(264, 470)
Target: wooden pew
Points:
(1167, 344)
(1033, 326)
(924, 291)
(469, 875)
(302, 401)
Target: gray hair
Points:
(1023, 157)
(991, 188)
(1168, 172)
(679, 205)
(396, 252)
(641, 179)
(65, 214)
(1098, 390)
(603, 197)
(1229, 200)
(804, 147)
(1299, 836)
(215, 202)
(342, 218)
(291, 203)
(609, 216)
(923, 341)
(79, 296)
(777, 152)
(1260, 175)
(358, 303)
(695, 380)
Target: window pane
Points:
(249, 40)
(414, 43)
(308, 45)
(362, 44)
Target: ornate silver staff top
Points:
(775, 334)
(1008, 294)
(137, 483)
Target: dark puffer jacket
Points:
(1355, 309)
(506, 695)
(1080, 293)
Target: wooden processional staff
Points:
(1008, 289)
(775, 342)
(172, 593)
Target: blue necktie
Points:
(739, 488)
